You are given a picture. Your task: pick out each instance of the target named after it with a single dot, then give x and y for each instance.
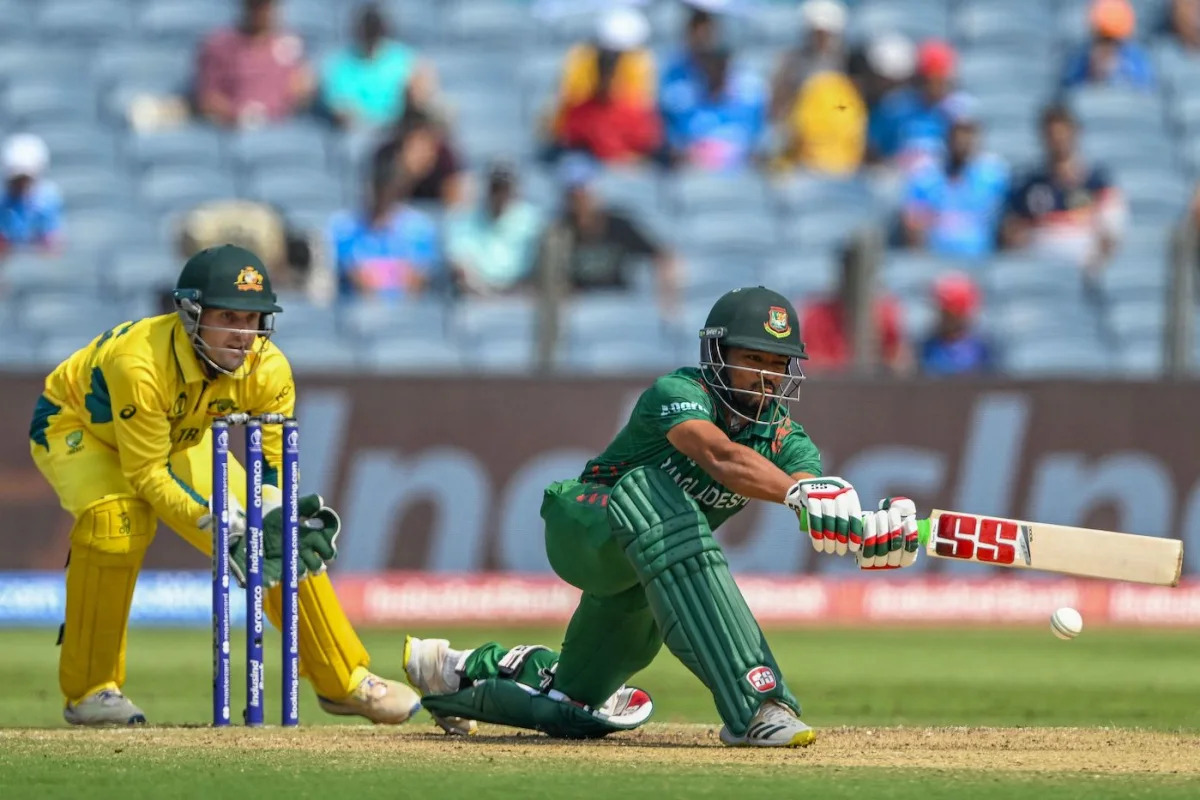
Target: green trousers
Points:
(612, 634)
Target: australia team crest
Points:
(249, 280)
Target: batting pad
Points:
(330, 650)
(702, 615)
(108, 541)
(506, 702)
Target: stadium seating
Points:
(69, 70)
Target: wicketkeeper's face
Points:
(229, 335)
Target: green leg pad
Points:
(506, 702)
(698, 606)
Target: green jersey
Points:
(678, 397)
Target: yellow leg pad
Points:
(330, 650)
(108, 541)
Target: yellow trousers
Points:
(112, 530)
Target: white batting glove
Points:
(834, 513)
(890, 535)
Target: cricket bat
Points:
(1083, 552)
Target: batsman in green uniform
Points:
(634, 532)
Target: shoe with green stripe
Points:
(773, 725)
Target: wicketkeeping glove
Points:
(835, 522)
(319, 529)
(890, 535)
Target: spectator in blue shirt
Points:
(953, 208)
(1111, 58)
(715, 114)
(389, 251)
(910, 124)
(368, 82)
(701, 34)
(31, 208)
(954, 347)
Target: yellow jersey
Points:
(141, 389)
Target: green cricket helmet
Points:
(232, 278)
(752, 318)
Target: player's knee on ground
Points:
(108, 542)
(699, 609)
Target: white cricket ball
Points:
(1066, 623)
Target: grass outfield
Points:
(1112, 714)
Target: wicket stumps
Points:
(290, 486)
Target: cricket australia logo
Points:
(249, 280)
(778, 324)
(74, 442)
(761, 678)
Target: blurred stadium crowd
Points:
(421, 175)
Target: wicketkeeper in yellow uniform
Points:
(122, 432)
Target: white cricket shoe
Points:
(105, 707)
(381, 701)
(425, 665)
(773, 725)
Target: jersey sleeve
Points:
(143, 438)
(672, 399)
(793, 451)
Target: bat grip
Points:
(923, 527)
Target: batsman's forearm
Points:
(749, 474)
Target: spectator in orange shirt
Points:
(254, 73)
(827, 329)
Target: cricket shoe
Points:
(628, 705)
(381, 701)
(773, 725)
(426, 667)
(105, 707)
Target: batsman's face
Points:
(229, 335)
(755, 372)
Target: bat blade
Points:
(1083, 552)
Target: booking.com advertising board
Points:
(439, 482)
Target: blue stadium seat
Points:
(138, 60)
(53, 349)
(1018, 276)
(710, 272)
(26, 274)
(1137, 319)
(1105, 107)
(1144, 358)
(323, 355)
(23, 61)
(36, 101)
(175, 189)
(299, 185)
(285, 144)
(17, 350)
(195, 146)
(368, 319)
(302, 321)
(1013, 24)
(85, 21)
(315, 22)
(68, 314)
(801, 274)
(491, 22)
(97, 229)
(476, 321)
(917, 19)
(801, 192)
(183, 21)
(502, 356)
(91, 187)
(695, 191)
(827, 229)
(140, 269)
(738, 230)
(413, 354)
(1049, 319)
(1133, 279)
(620, 356)
(73, 145)
(1058, 357)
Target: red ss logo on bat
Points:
(980, 538)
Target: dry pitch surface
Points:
(1082, 750)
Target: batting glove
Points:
(835, 522)
(890, 535)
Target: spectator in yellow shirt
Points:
(826, 130)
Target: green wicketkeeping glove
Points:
(319, 528)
